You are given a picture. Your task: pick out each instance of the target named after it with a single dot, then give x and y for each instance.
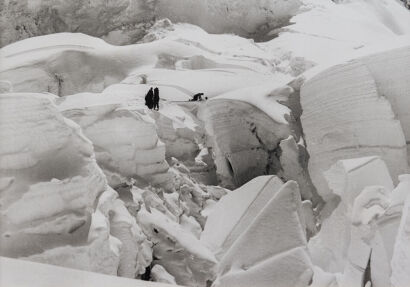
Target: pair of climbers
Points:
(152, 99)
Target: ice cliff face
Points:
(53, 175)
(126, 21)
(375, 109)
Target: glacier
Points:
(293, 171)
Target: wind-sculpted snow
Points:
(335, 30)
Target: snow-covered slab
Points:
(20, 273)
(235, 211)
(272, 249)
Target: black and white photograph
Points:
(205, 143)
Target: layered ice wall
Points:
(55, 199)
(244, 140)
(349, 111)
(124, 136)
(45, 159)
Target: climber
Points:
(149, 99)
(156, 98)
(197, 97)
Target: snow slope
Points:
(36, 274)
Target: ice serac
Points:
(177, 250)
(56, 205)
(400, 262)
(124, 136)
(364, 188)
(52, 182)
(244, 140)
(50, 174)
(237, 209)
(345, 115)
(272, 248)
(390, 73)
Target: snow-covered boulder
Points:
(271, 250)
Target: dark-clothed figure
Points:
(156, 99)
(149, 99)
(197, 97)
